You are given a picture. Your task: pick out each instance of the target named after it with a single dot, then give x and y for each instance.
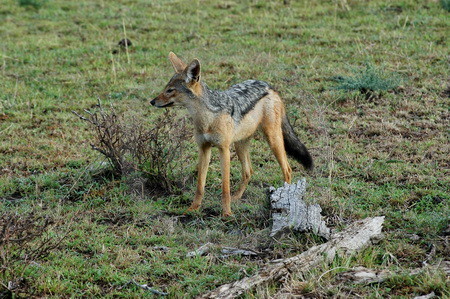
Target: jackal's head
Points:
(184, 85)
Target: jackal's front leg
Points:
(225, 167)
(202, 167)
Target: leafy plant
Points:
(36, 4)
(445, 4)
(368, 81)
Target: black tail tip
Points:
(309, 164)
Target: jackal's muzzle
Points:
(160, 104)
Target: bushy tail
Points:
(294, 147)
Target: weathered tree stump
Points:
(291, 212)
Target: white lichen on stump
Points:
(291, 212)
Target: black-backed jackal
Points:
(222, 118)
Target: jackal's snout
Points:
(162, 102)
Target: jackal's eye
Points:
(170, 90)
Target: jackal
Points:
(232, 116)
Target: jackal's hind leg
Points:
(242, 151)
(275, 139)
(202, 168)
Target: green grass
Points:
(370, 81)
(445, 5)
(383, 157)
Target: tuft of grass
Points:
(368, 81)
(36, 4)
(445, 4)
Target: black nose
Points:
(153, 102)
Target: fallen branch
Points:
(226, 251)
(354, 238)
(146, 287)
(230, 251)
(429, 296)
(202, 250)
(362, 275)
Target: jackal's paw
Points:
(227, 214)
(193, 208)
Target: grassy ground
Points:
(385, 155)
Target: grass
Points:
(445, 5)
(387, 156)
(369, 81)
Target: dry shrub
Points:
(23, 240)
(156, 151)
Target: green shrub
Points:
(445, 4)
(368, 81)
(36, 4)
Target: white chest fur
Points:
(208, 138)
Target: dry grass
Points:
(387, 155)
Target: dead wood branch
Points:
(226, 251)
(202, 250)
(354, 238)
(429, 296)
(145, 287)
(362, 275)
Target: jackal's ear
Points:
(192, 72)
(177, 64)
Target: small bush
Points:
(23, 240)
(36, 4)
(368, 81)
(154, 151)
(445, 4)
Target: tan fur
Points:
(177, 64)
(220, 130)
(196, 89)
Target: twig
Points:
(430, 255)
(81, 116)
(328, 271)
(145, 287)
(88, 112)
